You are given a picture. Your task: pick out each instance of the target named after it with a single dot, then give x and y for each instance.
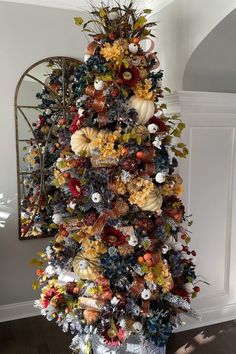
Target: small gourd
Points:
(145, 108)
(89, 302)
(86, 269)
(133, 48)
(154, 201)
(81, 141)
(99, 85)
(91, 315)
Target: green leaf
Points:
(102, 12)
(167, 89)
(78, 21)
(190, 223)
(176, 133)
(41, 254)
(35, 285)
(175, 117)
(139, 140)
(140, 22)
(181, 145)
(147, 11)
(167, 228)
(168, 139)
(146, 33)
(181, 126)
(107, 77)
(36, 262)
(163, 106)
(185, 151)
(124, 92)
(53, 226)
(188, 239)
(144, 268)
(125, 62)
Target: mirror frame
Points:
(64, 108)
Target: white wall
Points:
(27, 34)
(212, 64)
(181, 27)
(209, 175)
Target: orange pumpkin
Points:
(91, 315)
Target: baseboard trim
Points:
(17, 311)
(209, 316)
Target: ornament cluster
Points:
(120, 264)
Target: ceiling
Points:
(84, 5)
(212, 66)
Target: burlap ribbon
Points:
(120, 208)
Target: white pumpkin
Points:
(86, 269)
(86, 57)
(112, 16)
(153, 202)
(145, 108)
(152, 128)
(189, 287)
(81, 140)
(88, 302)
(133, 48)
(99, 85)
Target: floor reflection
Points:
(215, 339)
(5, 210)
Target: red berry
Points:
(139, 154)
(194, 253)
(115, 92)
(196, 289)
(62, 121)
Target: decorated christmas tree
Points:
(120, 272)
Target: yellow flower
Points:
(167, 190)
(104, 143)
(83, 233)
(125, 249)
(113, 52)
(178, 190)
(161, 276)
(92, 248)
(139, 189)
(119, 186)
(59, 178)
(170, 189)
(143, 90)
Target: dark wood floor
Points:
(36, 335)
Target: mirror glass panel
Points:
(45, 105)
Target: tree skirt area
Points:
(133, 345)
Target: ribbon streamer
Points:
(120, 208)
(99, 103)
(92, 48)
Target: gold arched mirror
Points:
(45, 105)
